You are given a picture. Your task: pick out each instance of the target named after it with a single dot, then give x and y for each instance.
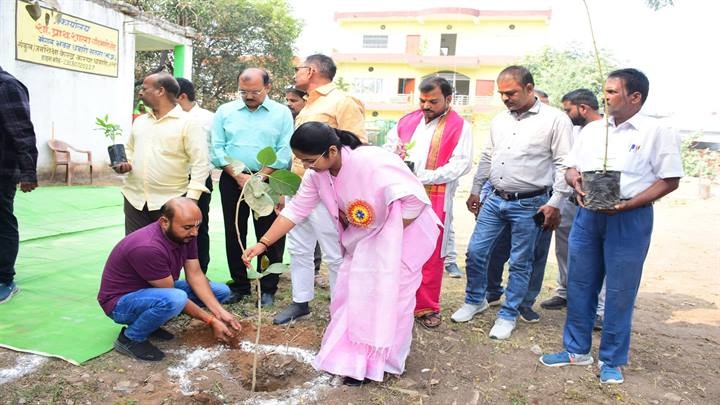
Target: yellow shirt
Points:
(162, 152)
(332, 106)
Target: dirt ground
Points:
(674, 356)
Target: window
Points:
(484, 87)
(447, 44)
(406, 86)
(375, 41)
(367, 85)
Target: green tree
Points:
(231, 35)
(558, 72)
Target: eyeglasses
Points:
(312, 162)
(297, 68)
(251, 92)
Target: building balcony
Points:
(424, 61)
(408, 102)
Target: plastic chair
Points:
(62, 157)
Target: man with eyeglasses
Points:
(330, 105)
(240, 130)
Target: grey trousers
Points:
(567, 216)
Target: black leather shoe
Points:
(267, 300)
(554, 303)
(351, 382)
(162, 335)
(234, 298)
(293, 311)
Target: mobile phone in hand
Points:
(539, 219)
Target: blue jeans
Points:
(501, 254)
(610, 247)
(496, 215)
(9, 237)
(144, 311)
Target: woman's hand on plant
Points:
(252, 252)
(123, 167)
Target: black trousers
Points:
(136, 219)
(229, 196)
(203, 238)
(9, 236)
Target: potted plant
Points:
(601, 187)
(112, 131)
(408, 147)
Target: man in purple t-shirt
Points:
(140, 286)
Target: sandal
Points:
(431, 320)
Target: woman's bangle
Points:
(264, 244)
(210, 320)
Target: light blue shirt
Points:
(240, 133)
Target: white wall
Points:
(71, 100)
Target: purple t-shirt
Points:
(143, 256)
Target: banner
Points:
(66, 42)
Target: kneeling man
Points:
(140, 286)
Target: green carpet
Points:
(66, 234)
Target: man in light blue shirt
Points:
(240, 130)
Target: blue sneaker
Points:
(7, 290)
(564, 358)
(610, 375)
(453, 270)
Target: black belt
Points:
(519, 196)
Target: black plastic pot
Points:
(117, 154)
(410, 165)
(602, 189)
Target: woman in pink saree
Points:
(387, 231)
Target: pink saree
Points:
(370, 330)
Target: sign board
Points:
(66, 42)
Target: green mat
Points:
(66, 234)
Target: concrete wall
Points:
(69, 101)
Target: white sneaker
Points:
(467, 311)
(502, 329)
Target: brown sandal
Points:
(431, 320)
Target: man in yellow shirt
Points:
(328, 104)
(164, 146)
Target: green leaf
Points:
(284, 182)
(267, 156)
(258, 198)
(276, 268)
(237, 166)
(252, 274)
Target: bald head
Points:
(253, 85)
(254, 74)
(182, 208)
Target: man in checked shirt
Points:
(18, 161)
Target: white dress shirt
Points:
(639, 148)
(526, 152)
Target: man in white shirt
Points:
(581, 106)
(441, 154)
(204, 118)
(524, 161)
(614, 243)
